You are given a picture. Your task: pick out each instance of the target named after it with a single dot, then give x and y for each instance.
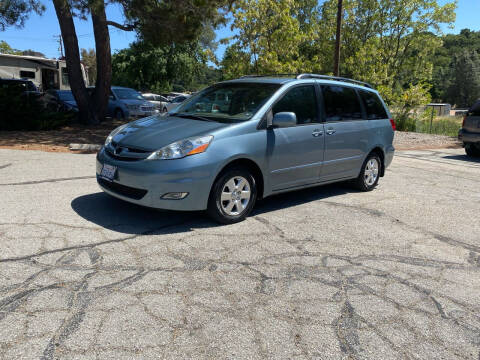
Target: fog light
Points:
(175, 196)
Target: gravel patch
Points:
(405, 140)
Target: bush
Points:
(22, 112)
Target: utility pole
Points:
(336, 66)
(60, 43)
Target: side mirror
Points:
(283, 119)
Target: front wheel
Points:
(370, 173)
(233, 196)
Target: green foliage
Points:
(443, 74)
(162, 22)
(22, 112)
(464, 86)
(144, 66)
(89, 59)
(389, 43)
(16, 12)
(7, 49)
(271, 36)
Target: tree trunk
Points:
(72, 54)
(336, 66)
(104, 58)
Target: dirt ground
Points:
(59, 140)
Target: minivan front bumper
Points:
(145, 182)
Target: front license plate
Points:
(108, 172)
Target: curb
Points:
(84, 147)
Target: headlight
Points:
(182, 148)
(113, 133)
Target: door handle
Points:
(331, 131)
(317, 133)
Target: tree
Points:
(157, 22)
(158, 68)
(7, 49)
(453, 44)
(30, 52)
(15, 12)
(273, 36)
(465, 86)
(89, 59)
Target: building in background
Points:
(44, 73)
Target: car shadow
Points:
(465, 158)
(124, 217)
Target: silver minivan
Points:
(269, 135)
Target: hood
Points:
(152, 133)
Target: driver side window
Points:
(302, 101)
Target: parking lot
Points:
(324, 273)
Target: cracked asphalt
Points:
(324, 273)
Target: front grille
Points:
(146, 108)
(120, 189)
(125, 153)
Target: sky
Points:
(39, 31)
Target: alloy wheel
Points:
(235, 196)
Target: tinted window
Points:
(65, 80)
(27, 74)
(301, 101)
(373, 105)
(148, 97)
(126, 94)
(341, 103)
(240, 101)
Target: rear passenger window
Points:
(302, 101)
(341, 103)
(373, 106)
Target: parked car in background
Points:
(132, 99)
(176, 101)
(26, 87)
(469, 134)
(160, 102)
(277, 134)
(59, 100)
(63, 100)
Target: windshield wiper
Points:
(192, 116)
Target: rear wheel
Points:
(233, 196)
(472, 150)
(370, 173)
(119, 114)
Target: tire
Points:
(235, 206)
(370, 173)
(119, 114)
(472, 150)
(164, 110)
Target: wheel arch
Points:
(379, 151)
(250, 165)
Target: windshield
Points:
(231, 102)
(125, 94)
(66, 96)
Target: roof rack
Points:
(313, 76)
(267, 75)
(335, 78)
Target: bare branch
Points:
(128, 27)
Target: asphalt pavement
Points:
(323, 273)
